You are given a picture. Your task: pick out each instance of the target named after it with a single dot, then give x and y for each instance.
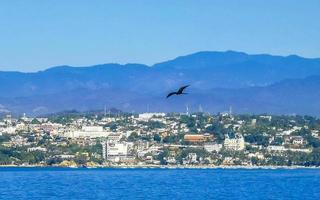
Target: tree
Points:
(157, 138)
(277, 141)
(218, 131)
(38, 156)
(4, 159)
(162, 155)
(185, 152)
(314, 142)
(257, 139)
(54, 161)
(81, 159)
(171, 139)
(303, 132)
(35, 121)
(154, 124)
(113, 126)
(133, 137)
(4, 138)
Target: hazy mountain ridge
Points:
(251, 83)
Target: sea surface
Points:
(63, 183)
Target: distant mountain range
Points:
(249, 83)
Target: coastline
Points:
(162, 167)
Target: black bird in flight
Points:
(179, 92)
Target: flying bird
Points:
(179, 92)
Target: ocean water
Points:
(60, 183)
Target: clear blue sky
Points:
(38, 34)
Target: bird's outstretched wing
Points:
(170, 94)
(182, 88)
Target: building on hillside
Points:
(194, 138)
(114, 137)
(104, 150)
(211, 147)
(297, 140)
(117, 151)
(9, 130)
(31, 149)
(88, 131)
(236, 143)
(253, 122)
(276, 148)
(148, 116)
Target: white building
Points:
(276, 148)
(268, 117)
(117, 150)
(104, 150)
(256, 155)
(88, 131)
(147, 116)
(297, 140)
(171, 160)
(300, 150)
(36, 149)
(253, 122)
(235, 144)
(211, 147)
(8, 130)
(282, 149)
(192, 158)
(114, 137)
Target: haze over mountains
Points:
(248, 83)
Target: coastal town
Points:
(74, 139)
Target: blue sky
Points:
(38, 34)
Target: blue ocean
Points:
(60, 183)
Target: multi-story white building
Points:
(88, 131)
(104, 150)
(235, 144)
(211, 147)
(31, 149)
(114, 137)
(115, 151)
